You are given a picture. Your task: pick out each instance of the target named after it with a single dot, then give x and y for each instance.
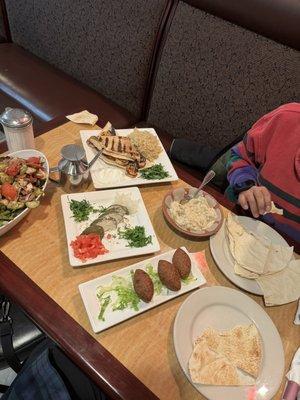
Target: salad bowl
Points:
(25, 154)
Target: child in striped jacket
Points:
(265, 167)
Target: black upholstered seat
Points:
(26, 335)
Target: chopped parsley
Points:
(82, 209)
(136, 236)
(157, 171)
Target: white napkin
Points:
(83, 117)
(292, 389)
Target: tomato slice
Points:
(88, 246)
(9, 191)
(34, 160)
(13, 169)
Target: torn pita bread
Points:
(278, 258)
(282, 287)
(245, 249)
(209, 368)
(83, 117)
(275, 210)
(255, 253)
(240, 345)
(243, 272)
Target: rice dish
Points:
(146, 143)
(195, 215)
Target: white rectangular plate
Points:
(120, 179)
(117, 247)
(91, 303)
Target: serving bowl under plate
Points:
(25, 154)
(178, 195)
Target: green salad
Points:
(21, 183)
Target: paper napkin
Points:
(293, 386)
(83, 117)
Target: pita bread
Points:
(275, 210)
(245, 249)
(282, 287)
(243, 272)
(209, 368)
(240, 345)
(253, 252)
(278, 258)
(83, 117)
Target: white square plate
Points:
(120, 179)
(117, 248)
(91, 303)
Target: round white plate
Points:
(223, 258)
(223, 308)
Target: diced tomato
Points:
(9, 191)
(34, 160)
(88, 246)
(13, 169)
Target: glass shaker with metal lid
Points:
(18, 129)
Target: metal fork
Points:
(208, 177)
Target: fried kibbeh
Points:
(182, 263)
(143, 285)
(169, 275)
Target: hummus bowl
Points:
(214, 208)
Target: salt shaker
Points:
(18, 129)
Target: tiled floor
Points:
(6, 377)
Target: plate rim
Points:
(253, 303)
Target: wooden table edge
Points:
(100, 365)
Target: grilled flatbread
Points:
(210, 368)
(240, 345)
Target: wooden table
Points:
(143, 344)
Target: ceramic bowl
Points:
(179, 194)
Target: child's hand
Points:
(257, 198)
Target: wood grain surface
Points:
(143, 344)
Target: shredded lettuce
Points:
(104, 302)
(189, 279)
(155, 279)
(124, 291)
